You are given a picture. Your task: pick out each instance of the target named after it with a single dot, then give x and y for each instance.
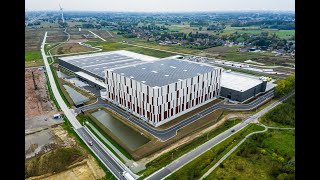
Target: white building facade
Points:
(158, 105)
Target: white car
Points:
(90, 142)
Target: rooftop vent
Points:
(154, 71)
(172, 67)
(143, 81)
(166, 75)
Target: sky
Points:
(161, 5)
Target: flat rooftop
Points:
(238, 81)
(96, 63)
(163, 72)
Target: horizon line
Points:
(209, 11)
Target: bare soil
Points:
(37, 100)
(71, 163)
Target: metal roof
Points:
(96, 63)
(238, 81)
(164, 71)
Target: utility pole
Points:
(171, 156)
(207, 135)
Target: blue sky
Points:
(162, 5)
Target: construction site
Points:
(38, 108)
(47, 140)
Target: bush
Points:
(221, 165)
(282, 176)
(239, 167)
(282, 114)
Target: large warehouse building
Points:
(162, 90)
(90, 67)
(156, 90)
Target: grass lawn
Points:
(35, 63)
(270, 155)
(32, 56)
(197, 167)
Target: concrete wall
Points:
(242, 96)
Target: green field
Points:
(197, 167)
(172, 155)
(32, 56)
(113, 46)
(284, 34)
(282, 115)
(269, 155)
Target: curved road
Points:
(188, 157)
(166, 134)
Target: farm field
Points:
(68, 48)
(113, 46)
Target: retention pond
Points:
(127, 135)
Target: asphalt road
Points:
(109, 160)
(99, 151)
(183, 160)
(164, 135)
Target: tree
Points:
(285, 86)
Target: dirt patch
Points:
(218, 49)
(76, 40)
(37, 101)
(39, 109)
(87, 169)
